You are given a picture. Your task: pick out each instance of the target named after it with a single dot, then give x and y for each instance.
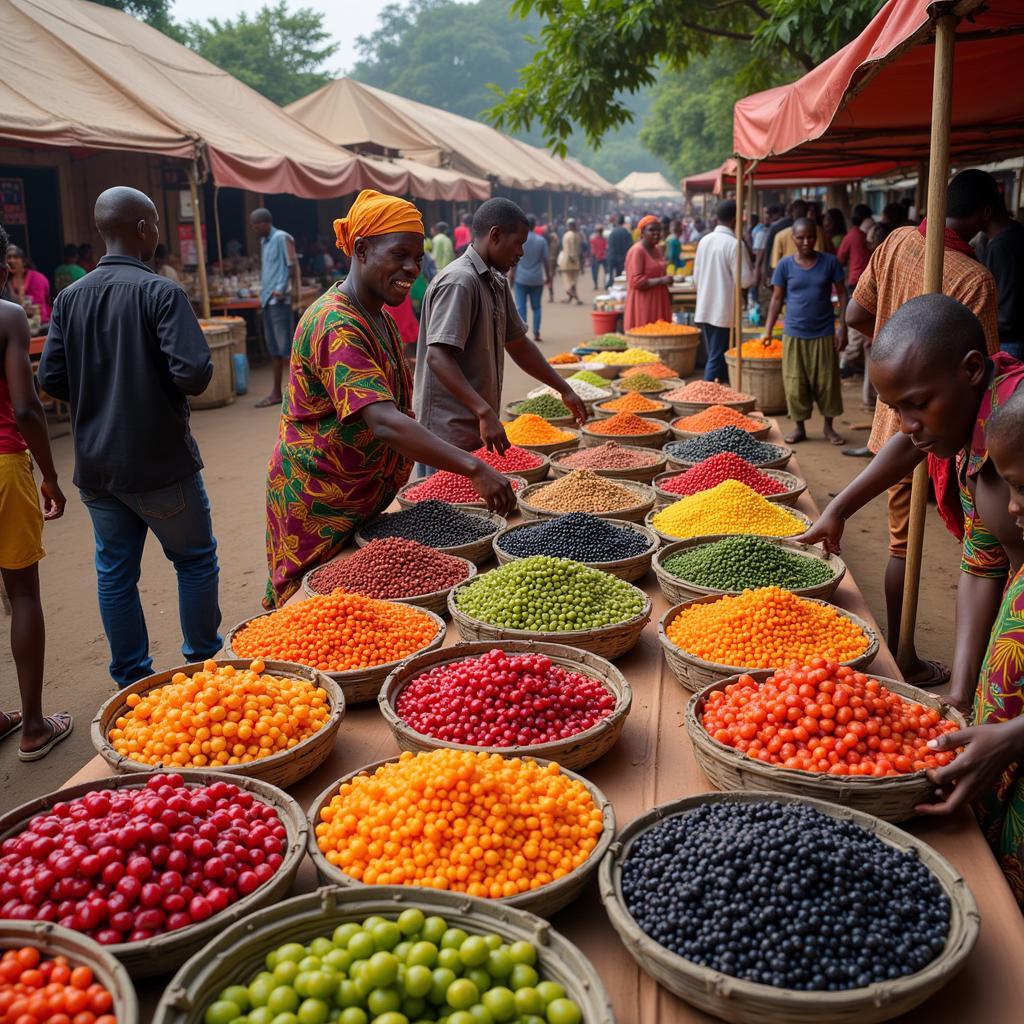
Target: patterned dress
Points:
(328, 473)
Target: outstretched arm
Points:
(530, 358)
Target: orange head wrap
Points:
(374, 213)
(644, 221)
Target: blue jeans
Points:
(535, 293)
(179, 516)
(277, 329)
(716, 341)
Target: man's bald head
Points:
(128, 222)
(261, 220)
(940, 329)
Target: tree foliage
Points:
(154, 12)
(278, 52)
(592, 53)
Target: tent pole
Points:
(738, 305)
(216, 226)
(938, 176)
(197, 228)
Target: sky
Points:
(344, 19)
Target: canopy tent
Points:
(425, 182)
(949, 64)
(358, 116)
(84, 76)
(651, 185)
(702, 183)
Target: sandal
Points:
(13, 719)
(938, 674)
(58, 735)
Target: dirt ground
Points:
(235, 442)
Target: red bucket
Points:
(604, 322)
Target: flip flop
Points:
(13, 723)
(58, 737)
(938, 674)
(837, 440)
(266, 403)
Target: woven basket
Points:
(745, 1002)
(535, 475)
(280, 769)
(692, 408)
(436, 601)
(603, 369)
(628, 569)
(665, 384)
(359, 685)
(575, 752)
(677, 350)
(568, 369)
(555, 421)
(779, 463)
(52, 941)
(645, 495)
(762, 378)
(678, 591)
(789, 497)
(517, 482)
(893, 798)
(660, 433)
(476, 551)
(544, 901)
(663, 412)
(238, 954)
(667, 538)
(642, 474)
(688, 435)
(694, 673)
(164, 953)
(553, 446)
(607, 642)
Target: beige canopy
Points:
(648, 185)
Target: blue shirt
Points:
(274, 266)
(530, 269)
(809, 295)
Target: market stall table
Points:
(653, 763)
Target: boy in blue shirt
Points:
(811, 342)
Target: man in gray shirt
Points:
(467, 323)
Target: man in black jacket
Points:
(124, 350)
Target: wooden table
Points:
(653, 763)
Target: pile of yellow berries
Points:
(731, 507)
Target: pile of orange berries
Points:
(337, 632)
(715, 416)
(761, 348)
(469, 822)
(219, 716)
(764, 628)
(34, 990)
(824, 717)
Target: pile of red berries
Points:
(125, 865)
(713, 471)
(514, 460)
(446, 486)
(503, 700)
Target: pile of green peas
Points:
(410, 970)
(549, 595)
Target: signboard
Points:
(187, 244)
(12, 201)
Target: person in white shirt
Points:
(714, 274)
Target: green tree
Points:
(280, 53)
(592, 53)
(154, 12)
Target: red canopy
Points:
(867, 109)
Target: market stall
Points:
(653, 762)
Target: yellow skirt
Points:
(21, 539)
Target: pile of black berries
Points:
(783, 895)
(725, 439)
(579, 536)
(434, 523)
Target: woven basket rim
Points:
(767, 423)
(795, 486)
(556, 421)
(307, 585)
(617, 563)
(361, 540)
(328, 870)
(463, 506)
(952, 882)
(865, 657)
(602, 402)
(288, 808)
(515, 634)
(356, 674)
(645, 490)
(660, 432)
(796, 548)
(562, 654)
(113, 705)
(663, 458)
(691, 331)
(796, 776)
(668, 538)
(786, 453)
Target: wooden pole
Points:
(738, 307)
(197, 228)
(216, 227)
(938, 176)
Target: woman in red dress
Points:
(647, 295)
